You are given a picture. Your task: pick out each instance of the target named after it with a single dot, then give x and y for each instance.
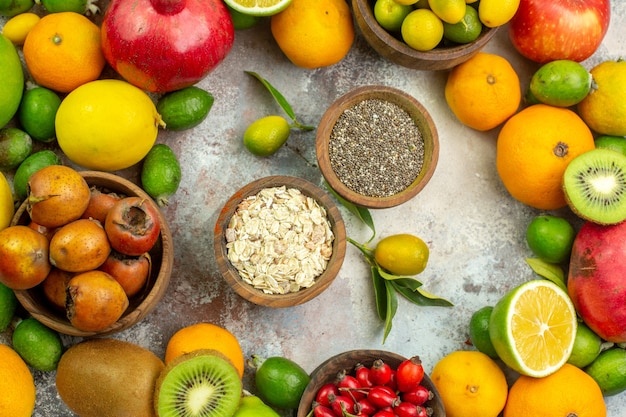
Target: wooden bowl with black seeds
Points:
(377, 146)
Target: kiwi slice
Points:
(202, 383)
(595, 186)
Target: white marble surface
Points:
(475, 230)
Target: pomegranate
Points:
(166, 45)
(597, 279)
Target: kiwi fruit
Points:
(201, 383)
(595, 186)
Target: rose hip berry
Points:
(322, 411)
(364, 407)
(382, 396)
(341, 404)
(380, 372)
(418, 396)
(349, 385)
(362, 374)
(409, 374)
(324, 394)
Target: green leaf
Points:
(420, 296)
(380, 294)
(552, 272)
(280, 99)
(407, 282)
(392, 307)
(392, 277)
(361, 213)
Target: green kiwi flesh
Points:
(201, 383)
(595, 186)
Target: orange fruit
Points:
(24, 255)
(79, 246)
(314, 34)
(16, 384)
(567, 392)
(484, 91)
(534, 148)
(205, 336)
(62, 51)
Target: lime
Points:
(32, 164)
(242, 21)
(390, 14)
(402, 254)
(465, 31)
(479, 331)
(10, 8)
(38, 345)
(7, 208)
(550, 238)
(17, 27)
(76, 6)
(450, 11)
(37, 112)
(533, 328)
(617, 143)
(256, 8)
(8, 305)
(561, 83)
(185, 108)
(609, 371)
(15, 146)
(280, 381)
(587, 346)
(422, 30)
(160, 173)
(266, 135)
(11, 80)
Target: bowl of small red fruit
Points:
(371, 382)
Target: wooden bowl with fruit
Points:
(279, 241)
(97, 255)
(372, 161)
(365, 374)
(390, 44)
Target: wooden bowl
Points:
(327, 372)
(398, 52)
(247, 291)
(162, 255)
(416, 111)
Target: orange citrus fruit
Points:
(62, 51)
(534, 148)
(470, 384)
(484, 91)
(16, 384)
(205, 336)
(314, 34)
(567, 392)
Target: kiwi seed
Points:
(595, 186)
(201, 383)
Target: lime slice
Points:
(533, 328)
(258, 7)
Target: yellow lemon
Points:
(17, 27)
(406, 2)
(16, 384)
(450, 11)
(422, 30)
(495, 13)
(402, 254)
(6, 202)
(107, 125)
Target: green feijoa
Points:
(160, 173)
(29, 166)
(37, 112)
(10, 8)
(185, 108)
(39, 346)
(561, 83)
(609, 371)
(617, 143)
(15, 146)
(8, 305)
(279, 381)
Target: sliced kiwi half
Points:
(202, 383)
(595, 186)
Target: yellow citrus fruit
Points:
(205, 336)
(494, 13)
(450, 11)
(402, 254)
(258, 8)
(484, 91)
(533, 328)
(62, 51)
(266, 135)
(470, 384)
(107, 125)
(567, 392)
(17, 27)
(534, 147)
(406, 2)
(16, 384)
(604, 108)
(7, 208)
(314, 34)
(422, 30)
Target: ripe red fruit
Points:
(323, 411)
(362, 374)
(342, 403)
(132, 226)
(349, 385)
(380, 372)
(364, 407)
(381, 396)
(406, 409)
(325, 393)
(409, 374)
(418, 396)
(384, 413)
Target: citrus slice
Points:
(533, 328)
(258, 7)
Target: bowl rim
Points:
(407, 102)
(136, 310)
(231, 275)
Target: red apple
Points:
(547, 30)
(597, 279)
(166, 45)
